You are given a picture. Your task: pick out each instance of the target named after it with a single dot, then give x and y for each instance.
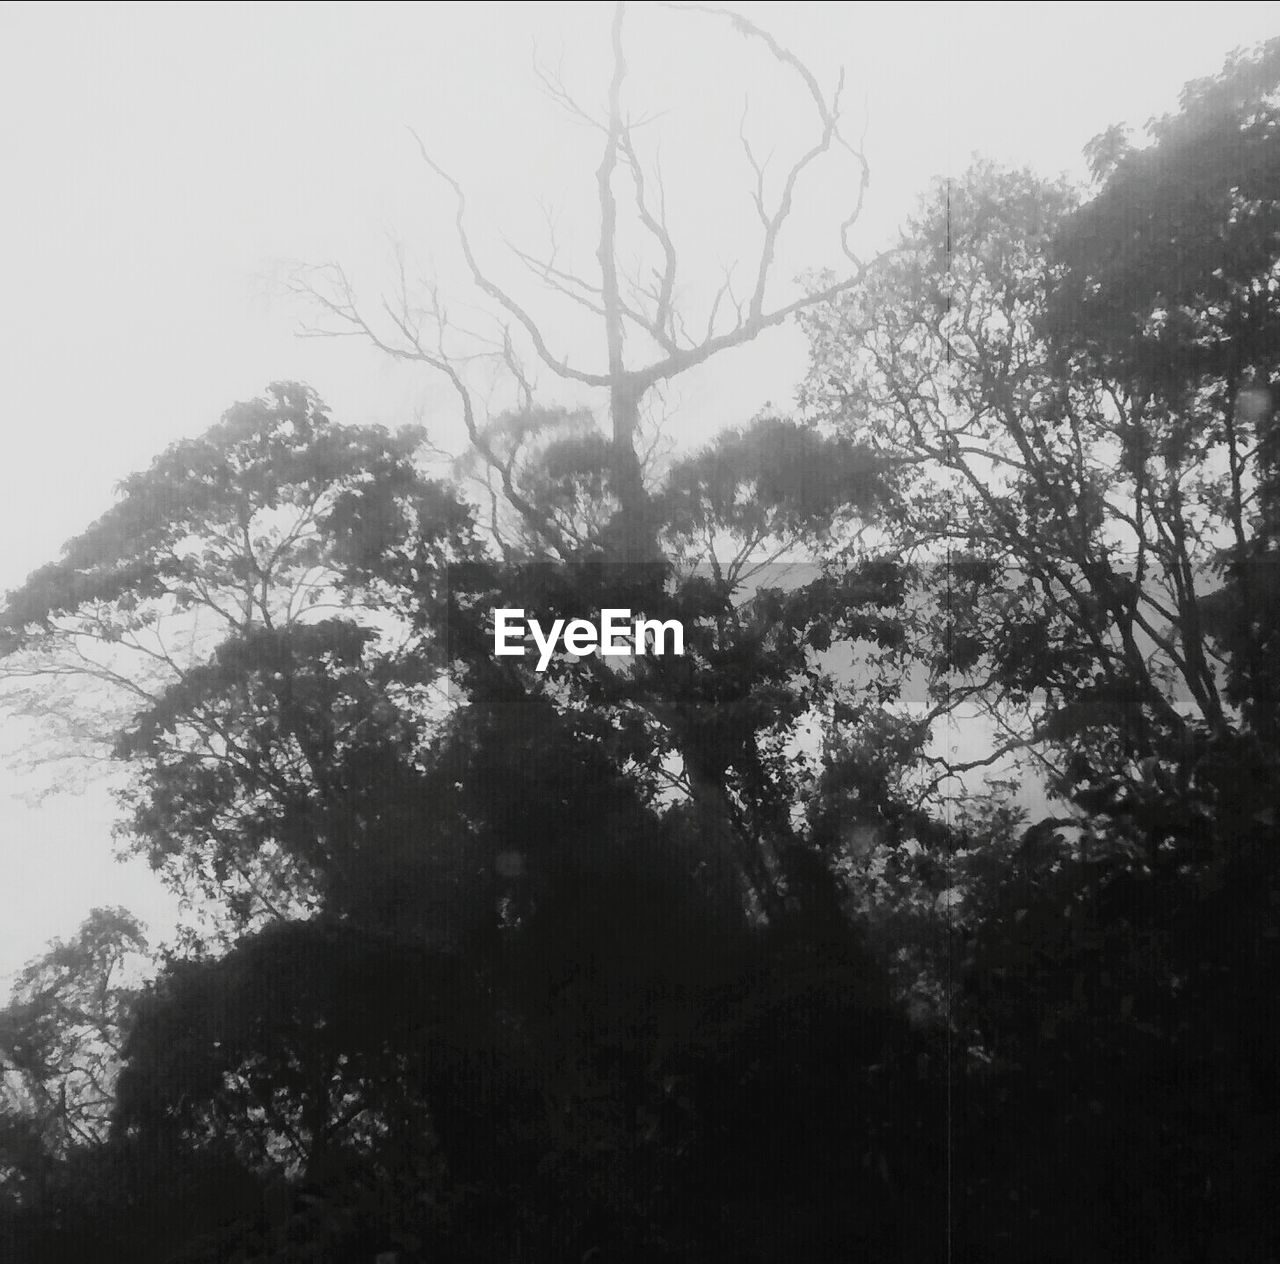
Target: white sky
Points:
(158, 161)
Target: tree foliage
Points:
(690, 957)
(1076, 392)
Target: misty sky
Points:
(162, 165)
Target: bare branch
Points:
(572, 287)
(829, 117)
(657, 226)
(554, 87)
(757, 196)
(558, 366)
(687, 358)
(345, 309)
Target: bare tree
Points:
(648, 340)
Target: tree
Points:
(647, 338)
(61, 1037)
(469, 941)
(1074, 399)
(1074, 393)
(238, 607)
(1169, 283)
(502, 967)
(583, 496)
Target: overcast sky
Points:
(160, 164)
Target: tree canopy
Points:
(705, 957)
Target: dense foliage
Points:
(701, 958)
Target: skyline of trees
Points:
(610, 962)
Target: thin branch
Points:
(558, 366)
